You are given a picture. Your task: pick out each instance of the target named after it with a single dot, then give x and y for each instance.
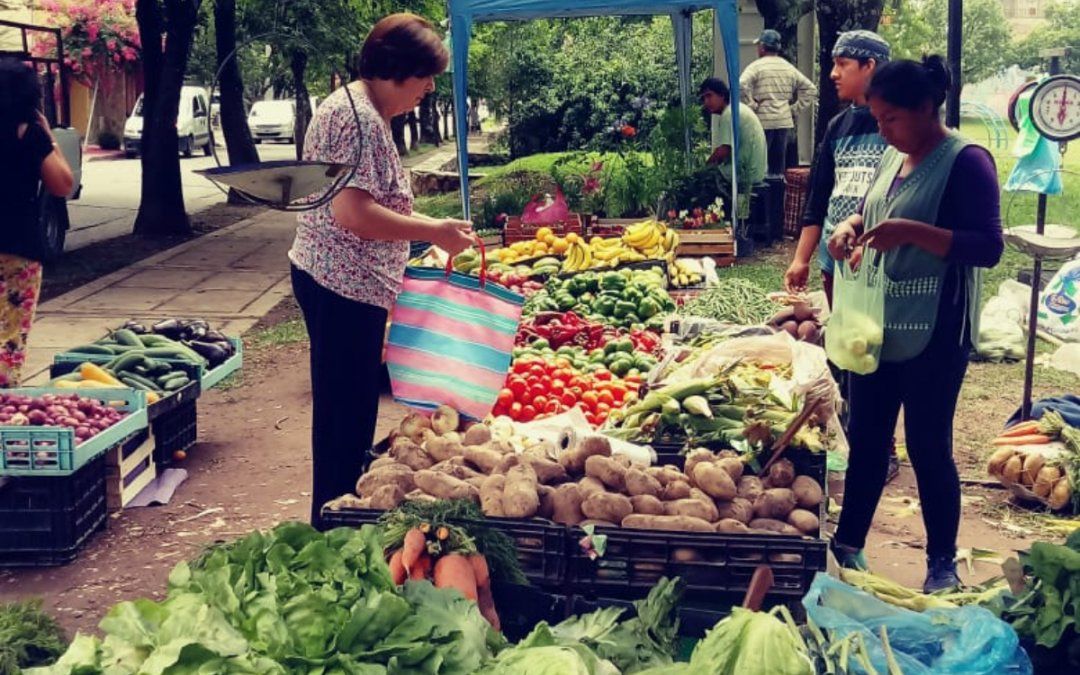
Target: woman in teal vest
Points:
(931, 218)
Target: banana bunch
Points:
(685, 272)
(652, 239)
(579, 257)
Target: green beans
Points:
(735, 301)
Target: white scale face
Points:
(1055, 108)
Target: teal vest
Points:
(914, 277)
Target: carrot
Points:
(421, 569)
(1021, 429)
(397, 570)
(454, 570)
(486, 603)
(412, 548)
(480, 568)
(1029, 439)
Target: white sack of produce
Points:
(567, 430)
(1059, 304)
(1001, 332)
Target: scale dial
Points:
(1055, 108)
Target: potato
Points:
(640, 521)
(1032, 464)
(443, 486)
(640, 483)
(589, 485)
(396, 473)
(547, 503)
(573, 460)
(809, 331)
(696, 457)
(441, 449)
(738, 509)
(476, 481)
(695, 508)
(695, 493)
(477, 434)
(379, 462)
(771, 526)
(608, 471)
(542, 450)
(1060, 495)
(521, 498)
(491, 493)
(781, 474)
(997, 461)
(444, 420)
(420, 496)
(750, 487)
(413, 426)
(1044, 482)
(1013, 470)
(506, 463)
(483, 457)
(410, 454)
(791, 326)
(607, 506)
(547, 471)
(666, 474)
(348, 501)
(725, 454)
(805, 521)
(387, 497)
(808, 493)
(503, 447)
(731, 526)
(676, 490)
(566, 504)
(457, 468)
(775, 503)
(647, 504)
(714, 480)
(734, 466)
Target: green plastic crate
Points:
(213, 377)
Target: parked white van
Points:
(192, 123)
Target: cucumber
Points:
(128, 375)
(126, 362)
(176, 383)
(135, 384)
(103, 350)
(127, 337)
(174, 375)
(152, 340)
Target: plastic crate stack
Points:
(53, 489)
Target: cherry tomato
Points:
(506, 397)
(568, 399)
(528, 413)
(590, 399)
(537, 389)
(552, 407)
(606, 398)
(602, 408)
(577, 392)
(563, 374)
(540, 402)
(515, 411)
(517, 387)
(557, 386)
(537, 370)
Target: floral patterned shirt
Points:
(365, 270)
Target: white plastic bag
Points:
(1059, 304)
(1001, 333)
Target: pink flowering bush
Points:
(100, 36)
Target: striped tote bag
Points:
(451, 337)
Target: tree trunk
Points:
(429, 120)
(397, 129)
(835, 17)
(414, 130)
(298, 65)
(234, 125)
(474, 114)
(161, 203)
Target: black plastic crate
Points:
(540, 544)
(166, 404)
(520, 608)
(175, 430)
(45, 520)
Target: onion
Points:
(37, 417)
(79, 415)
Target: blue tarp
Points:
(464, 13)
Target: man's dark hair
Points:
(401, 46)
(20, 96)
(769, 49)
(716, 86)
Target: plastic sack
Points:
(1067, 358)
(1001, 333)
(856, 332)
(1059, 304)
(968, 640)
(1038, 165)
(545, 210)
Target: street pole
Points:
(955, 42)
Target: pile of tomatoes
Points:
(536, 388)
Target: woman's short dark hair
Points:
(716, 86)
(20, 95)
(909, 84)
(401, 46)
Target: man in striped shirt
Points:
(776, 91)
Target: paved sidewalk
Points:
(231, 277)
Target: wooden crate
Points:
(698, 243)
(610, 227)
(516, 230)
(128, 469)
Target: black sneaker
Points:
(940, 574)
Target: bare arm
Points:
(55, 172)
(357, 211)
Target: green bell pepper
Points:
(612, 281)
(648, 307)
(624, 309)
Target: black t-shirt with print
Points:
(20, 178)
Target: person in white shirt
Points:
(776, 91)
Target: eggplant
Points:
(212, 352)
(215, 336)
(136, 327)
(170, 328)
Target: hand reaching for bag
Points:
(453, 235)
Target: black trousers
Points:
(927, 387)
(776, 141)
(346, 376)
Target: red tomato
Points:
(568, 399)
(557, 386)
(528, 413)
(517, 387)
(537, 389)
(592, 419)
(540, 402)
(603, 375)
(562, 362)
(632, 379)
(506, 397)
(590, 399)
(562, 374)
(606, 397)
(537, 370)
(618, 392)
(575, 381)
(515, 411)
(552, 407)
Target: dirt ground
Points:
(250, 470)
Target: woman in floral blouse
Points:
(349, 256)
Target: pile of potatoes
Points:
(1030, 471)
(586, 484)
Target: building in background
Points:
(1025, 16)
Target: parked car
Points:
(275, 120)
(192, 123)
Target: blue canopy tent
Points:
(464, 13)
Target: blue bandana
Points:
(861, 44)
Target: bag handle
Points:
(483, 261)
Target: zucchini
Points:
(176, 383)
(127, 337)
(102, 350)
(128, 375)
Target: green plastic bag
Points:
(856, 331)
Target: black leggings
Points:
(346, 377)
(927, 387)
